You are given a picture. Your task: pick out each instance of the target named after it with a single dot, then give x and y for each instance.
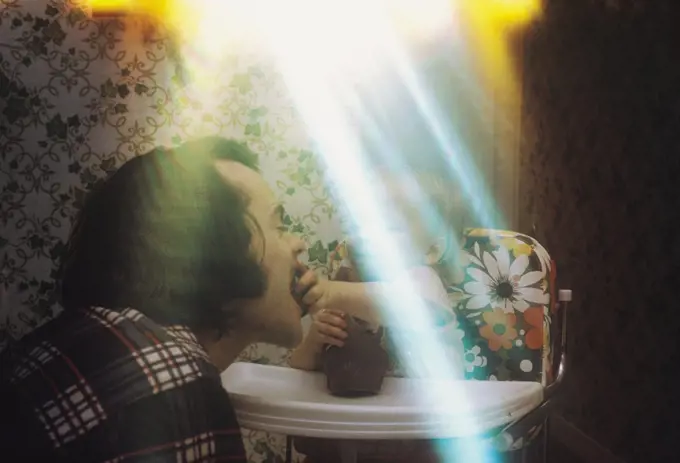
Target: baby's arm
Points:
(363, 300)
(305, 356)
(430, 288)
(328, 327)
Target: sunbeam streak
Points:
(317, 91)
(324, 49)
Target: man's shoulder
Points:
(93, 340)
(84, 366)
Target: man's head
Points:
(189, 236)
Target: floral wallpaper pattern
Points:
(79, 97)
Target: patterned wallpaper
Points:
(78, 98)
(600, 172)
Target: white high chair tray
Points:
(294, 402)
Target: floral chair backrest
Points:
(503, 294)
(505, 297)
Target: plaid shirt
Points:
(98, 385)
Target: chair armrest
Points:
(505, 439)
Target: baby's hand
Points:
(328, 327)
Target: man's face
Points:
(275, 317)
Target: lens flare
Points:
(157, 8)
(323, 49)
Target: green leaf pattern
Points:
(81, 97)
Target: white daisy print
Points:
(503, 284)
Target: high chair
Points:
(505, 296)
(507, 304)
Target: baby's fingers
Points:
(332, 317)
(334, 333)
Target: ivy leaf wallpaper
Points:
(78, 97)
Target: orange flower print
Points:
(499, 329)
(533, 317)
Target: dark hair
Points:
(167, 235)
